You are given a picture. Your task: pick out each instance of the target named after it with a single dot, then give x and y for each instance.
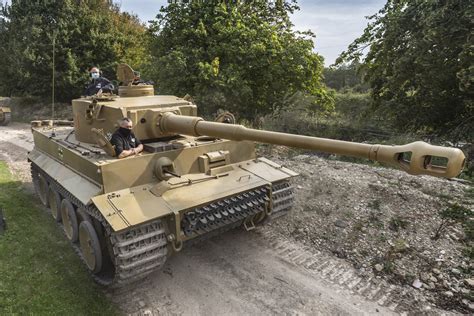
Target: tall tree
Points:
(240, 55)
(87, 33)
(419, 64)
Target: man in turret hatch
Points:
(138, 81)
(98, 84)
(124, 140)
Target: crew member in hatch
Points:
(138, 81)
(98, 84)
(124, 140)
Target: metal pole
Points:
(52, 96)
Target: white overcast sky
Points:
(336, 23)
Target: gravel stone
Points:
(469, 282)
(456, 271)
(424, 276)
(417, 284)
(340, 223)
(436, 271)
(448, 294)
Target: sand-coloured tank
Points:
(194, 179)
(5, 111)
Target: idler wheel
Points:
(90, 246)
(54, 200)
(69, 217)
(41, 186)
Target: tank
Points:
(5, 111)
(194, 179)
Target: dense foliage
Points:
(86, 32)
(345, 77)
(242, 56)
(419, 64)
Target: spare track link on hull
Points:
(283, 196)
(228, 213)
(137, 252)
(6, 118)
(205, 219)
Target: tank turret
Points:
(156, 117)
(194, 178)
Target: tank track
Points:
(137, 252)
(7, 116)
(283, 195)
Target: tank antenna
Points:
(52, 85)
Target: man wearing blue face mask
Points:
(98, 84)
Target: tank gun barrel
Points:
(414, 158)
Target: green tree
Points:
(240, 55)
(86, 32)
(345, 76)
(419, 64)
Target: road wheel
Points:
(41, 186)
(54, 201)
(90, 246)
(69, 217)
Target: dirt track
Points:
(258, 272)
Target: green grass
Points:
(39, 271)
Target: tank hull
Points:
(141, 221)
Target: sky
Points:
(336, 23)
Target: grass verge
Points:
(39, 271)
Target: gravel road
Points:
(257, 272)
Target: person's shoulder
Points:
(115, 135)
(132, 134)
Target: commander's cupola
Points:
(128, 86)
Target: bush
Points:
(350, 120)
(26, 109)
(453, 214)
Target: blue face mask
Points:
(94, 75)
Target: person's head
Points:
(136, 75)
(125, 126)
(126, 123)
(95, 73)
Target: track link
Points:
(135, 253)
